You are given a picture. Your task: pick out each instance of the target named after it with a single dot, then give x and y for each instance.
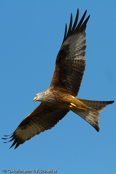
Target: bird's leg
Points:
(72, 105)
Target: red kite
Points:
(60, 97)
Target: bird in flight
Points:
(60, 97)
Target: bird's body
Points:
(60, 97)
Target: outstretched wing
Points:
(41, 119)
(70, 62)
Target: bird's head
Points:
(39, 97)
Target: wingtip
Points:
(76, 26)
(85, 11)
(11, 137)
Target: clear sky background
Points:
(31, 34)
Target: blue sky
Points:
(31, 34)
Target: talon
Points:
(72, 105)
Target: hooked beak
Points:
(35, 99)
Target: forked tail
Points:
(91, 115)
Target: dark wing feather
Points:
(70, 63)
(41, 119)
